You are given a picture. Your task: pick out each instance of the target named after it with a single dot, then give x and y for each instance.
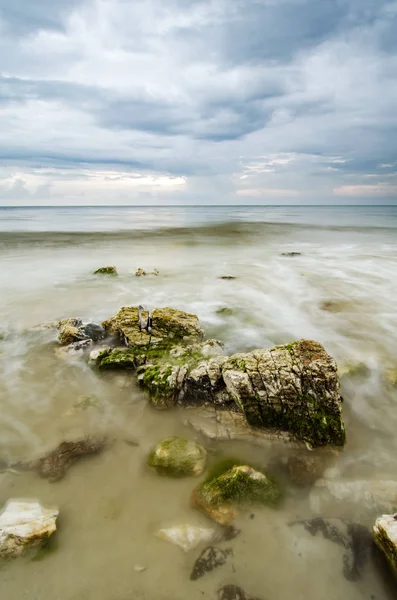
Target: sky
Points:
(198, 102)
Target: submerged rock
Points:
(366, 498)
(239, 485)
(140, 272)
(353, 369)
(385, 536)
(227, 277)
(210, 558)
(307, 467)
(291, 253)
(54, 465)
(355, 540)
(84, 403)
(106, 271)
(178, 457)
(24, 525)
(233, 592)
(187, 537)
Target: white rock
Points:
(139, 568)
(24, 525)
(385, 536)
(187, 537)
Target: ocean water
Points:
(340, 290)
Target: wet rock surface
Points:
(233, 592)
(239, 485)
(24, 525)
(54, 465)
(72, 331)
(106, 271)
(385, 536)
(211, 558)
(187, 537)
(178, 457)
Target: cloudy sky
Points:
(198, 101)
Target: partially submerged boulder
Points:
(169, 327)
(178, 457)
(24, 525)
(74, 331)
(385, 536)
(292, 388)
(106, 271)
(240, 485)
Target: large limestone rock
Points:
(24, 525)
(239, 485)
(292, 388)
(178, 457)
(169, 326)
(385, 536)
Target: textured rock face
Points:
(385, 535)
(24, 525)
(169, 327)
(239, 485)
(106, 271)
(187, 537)
(178, 457)
(292, 388)
(54, 465)
(74, 331)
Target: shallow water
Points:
(110, 505)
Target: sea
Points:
(324, 273)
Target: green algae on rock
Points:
(106, 271)
(178, 457)
(385, 536)
(170, 326)
(240, 485)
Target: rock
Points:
(233, 592)
(355, 540)
(292, 388)
(240, 485)
(118, 358)
(291, 254)
(365, 498)
(353, 369)
(225, 311)
(155, 272)
(385, 536)
(223, 425)
(306, 468)
(84, 403)
(139, 568)
(73, 350)
(54, 465)
(334, 306)
(187, 537)
(227, 277)
(178, 457)
(210, 558)
(106, 271)
(140, 272)
(170, 327)
(24, 525)
(73, 331)
(391, 377)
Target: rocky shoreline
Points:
(288, 394)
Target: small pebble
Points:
(139, 568)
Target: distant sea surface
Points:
(119, 218)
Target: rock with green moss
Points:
(385, 536)
(106, 271)
(178, 457)
(292, 388)
(169, 327)
(353, 370)
(240, 485)
(391, 376)
(73, 330)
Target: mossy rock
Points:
(385, 536)
(240, 485)
(178, 457)
(106, 271)
(353, 369)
